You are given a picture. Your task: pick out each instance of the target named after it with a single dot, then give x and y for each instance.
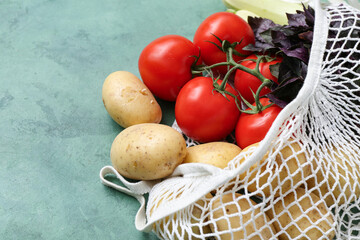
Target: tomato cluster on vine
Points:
(218, 87)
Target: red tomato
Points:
(165, 65)
(204, 114)
(252, 128)
(226, 26)
(248, 84)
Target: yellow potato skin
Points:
(128, 101)
(261, 177)
(335, 181)
(228, 205)
(218, 154)
(147, 151)
(314, 224)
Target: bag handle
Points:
(136, 190)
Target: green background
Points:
(55, 134)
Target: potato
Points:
(230, 204)
(260, 177)
(317, 222)
(147, 151)
(128, 101)
(195, 221)
(217, 154)
(331, 180)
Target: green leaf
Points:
(274, 69)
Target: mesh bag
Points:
(301, 182)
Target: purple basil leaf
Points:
(293, 43)
(252, 48)
(290, 81)
(303, 70)
(289, 68)
(277, 101)
(286, 92)
(296, 20)
(266, 36)
(260, 25)
(300, 52)
(310, 15)
(306, 36)
(281, 41)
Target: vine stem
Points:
(265, 82)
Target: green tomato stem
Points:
(265, 83)
(233, 65)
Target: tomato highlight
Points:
(203, 113)
(218, 27)
(165, 65)
(252, 128)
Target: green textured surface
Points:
(55, 134)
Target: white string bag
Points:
(301, 182)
